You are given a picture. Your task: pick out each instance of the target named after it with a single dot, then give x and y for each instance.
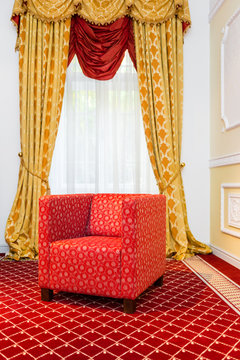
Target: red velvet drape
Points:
(185, 26)
(100, 49)
(16, 19)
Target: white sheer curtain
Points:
(100, 145)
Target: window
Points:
(100, 145)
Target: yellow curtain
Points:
(104, 11)
(43, 55)
(159, 53)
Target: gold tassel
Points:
(129, 3)
(178, 4)
(77, 4)
(25, 5)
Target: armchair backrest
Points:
(106, 215)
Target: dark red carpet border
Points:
(184, 319)
(225, 268)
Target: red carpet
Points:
(182, 320)
(227, 269)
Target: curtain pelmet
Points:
(43, 54)
(159, 54)
(104, 11)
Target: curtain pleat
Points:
(159, 54)
(100, 48)
(43, 55)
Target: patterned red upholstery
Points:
(107, 244)
(87, 265)
(106, 215)
(143, 243)
(60, 217)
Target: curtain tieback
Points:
(162, 189)
(30, 172)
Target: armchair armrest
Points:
(143, 243)
(60, 217)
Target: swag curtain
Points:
(43, 55)
(43, 44)
(100, 49)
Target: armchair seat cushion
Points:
(89, 265)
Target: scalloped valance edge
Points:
(138, 19)
(99, 15)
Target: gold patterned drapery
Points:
(104, 11)
(43, 56)
(43, 53)
(159, 54)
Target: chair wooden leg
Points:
(46, 294)
(129, 306)
(159, 282)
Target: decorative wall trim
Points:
(214, 9)
(226, 256)
(231, 159)
(231, 121)
(223, 228)
(4, 249)
(234, 210)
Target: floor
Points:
(183, 319)
(227, 269)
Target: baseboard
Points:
(226, 256)
(4, 249)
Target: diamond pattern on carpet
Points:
(182, 320)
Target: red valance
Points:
(100, 48)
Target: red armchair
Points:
(105, 244)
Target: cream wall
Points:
(224, 145)
(195, 151)
(224, 245)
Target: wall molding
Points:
(233, 121)
(231, 159)
(223, 228)
(234, 210)
(214, 9)
(226, 256)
